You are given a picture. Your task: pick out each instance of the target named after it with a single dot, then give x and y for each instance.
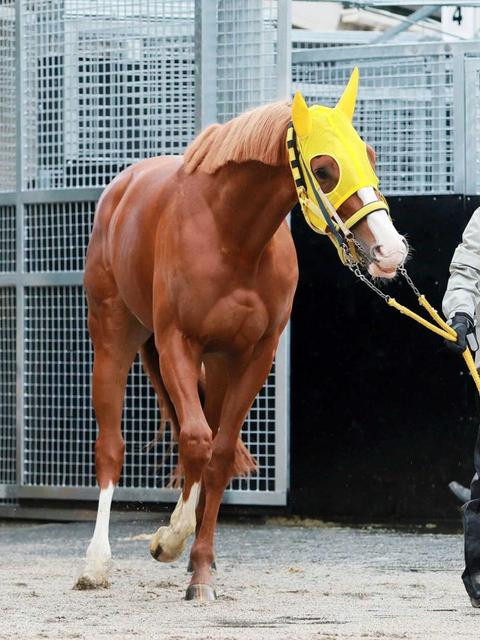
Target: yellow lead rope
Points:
(443, 330)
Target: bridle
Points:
(321, 216)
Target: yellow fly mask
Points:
(317, 131)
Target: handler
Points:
(460, 303)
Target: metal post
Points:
(471, 69)
(406, 23)
(284, 49)
(460, 141)
(19, 238)
(205, 63)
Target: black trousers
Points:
(471, 528)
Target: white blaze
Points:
(391, 246)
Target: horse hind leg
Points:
(116, 337)
(151, 366)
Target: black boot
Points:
(471, 528)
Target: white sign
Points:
(463, 22)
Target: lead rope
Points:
(443, 329)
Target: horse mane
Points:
(258, 135)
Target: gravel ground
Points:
(273, 581)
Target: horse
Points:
(191, 263)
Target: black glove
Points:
(465, 328)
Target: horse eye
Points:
(321, 173)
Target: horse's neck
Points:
(249, 203)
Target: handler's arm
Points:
(463, 289)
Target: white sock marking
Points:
(183, 519)
(169, 542)
(98, 552)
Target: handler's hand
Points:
(465, 328)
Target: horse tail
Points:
(244, 463)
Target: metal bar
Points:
(282, 414)
(284, 50)
(384, 51)
(53, 279)
(9, 198)
(460, 143)
(148, 495)
(205, 63)
(42, 279)
(80, 194)
(407, 5)
(19, 237)
(406, 23)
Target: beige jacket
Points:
(463, 289)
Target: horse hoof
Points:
(475, 603)
(87, 583)
(201, 593)
(164, 547)
(213, 566)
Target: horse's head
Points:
(337, 160)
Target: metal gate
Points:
(418, 105)
(87, 87)
(472, 119)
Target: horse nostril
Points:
(377, 251)
(407, 248)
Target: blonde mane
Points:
(258, 134)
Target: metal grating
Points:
(104, 83)
(7, 239)
(8, 381)
(7, 97)
(107, 82)
(60, 428)
(472, 117)
(246, 55)
(475, 128)
(56, 235)
(404, 110)
(260, 435)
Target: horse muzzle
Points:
(386, 259)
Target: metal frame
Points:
(205, 112)
(463, 56)
(472, 117)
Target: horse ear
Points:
(349, 96)
(302, 120)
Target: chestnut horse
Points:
(192, 264)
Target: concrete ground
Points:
(274, 581)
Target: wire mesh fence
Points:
(101, 84)
(404, 110)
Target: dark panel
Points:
(382, 415)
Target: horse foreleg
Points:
(180, 362)
(116, 337)
(245, 381)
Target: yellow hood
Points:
(326, 131)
